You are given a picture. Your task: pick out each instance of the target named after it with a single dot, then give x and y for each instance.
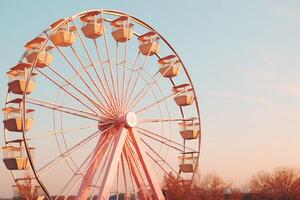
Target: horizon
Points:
(242, 58)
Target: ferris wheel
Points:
(100, 106)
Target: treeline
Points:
(280, 184)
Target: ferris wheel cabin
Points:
(15, 157)
(13, 117)
(188, 162)
(122, 29)
(184, 95)
(65, 35)
(37, 54)
(169, 66)
(18, 77)
(149, 43)
(189, 130)
(93, 26)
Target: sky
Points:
(242, 57)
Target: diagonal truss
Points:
(126, 142)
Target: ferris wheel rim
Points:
(141, 23)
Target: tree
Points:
(210, 187)
(213, 187)
(281, 184)
(27, 190)
(175, 188)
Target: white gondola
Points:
(189, 130)
(122, 29)
(37, 54)
(184, 95)
(188, 163)
(65, 35)
(93, 26)
(15, 158)
(169, 66)
(149, 43)
(18, 77)
(13, 117)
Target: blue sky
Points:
(243, 59)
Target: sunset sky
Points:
(243, 57)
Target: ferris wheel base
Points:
(122, 146)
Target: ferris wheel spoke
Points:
(101, 106)
(69, 93)
(109, 63)
(103, 147)
(90, 77)
(125, 99)
(51, 133)
(152, 91)
(70, 157)
(135, 99)
(136, 81)
(138, 78)
(161, 159)
(149, 84)
(64, 109)
(124, 72)
(71, 150)
(73, 176)
(63, 156)
(94, 66)
(144, 91)
(77, 72)
(110, 95)
(162, 139)
(166, 120)
(97, 153)
(117, 76)
(155, 96)
(157, 163)
(159, 101)
(154, 104)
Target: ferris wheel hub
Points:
(130, 119)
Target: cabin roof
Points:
(148, 35)
(15, 110)
(55, 24)
(36, 41)
(88, 16)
